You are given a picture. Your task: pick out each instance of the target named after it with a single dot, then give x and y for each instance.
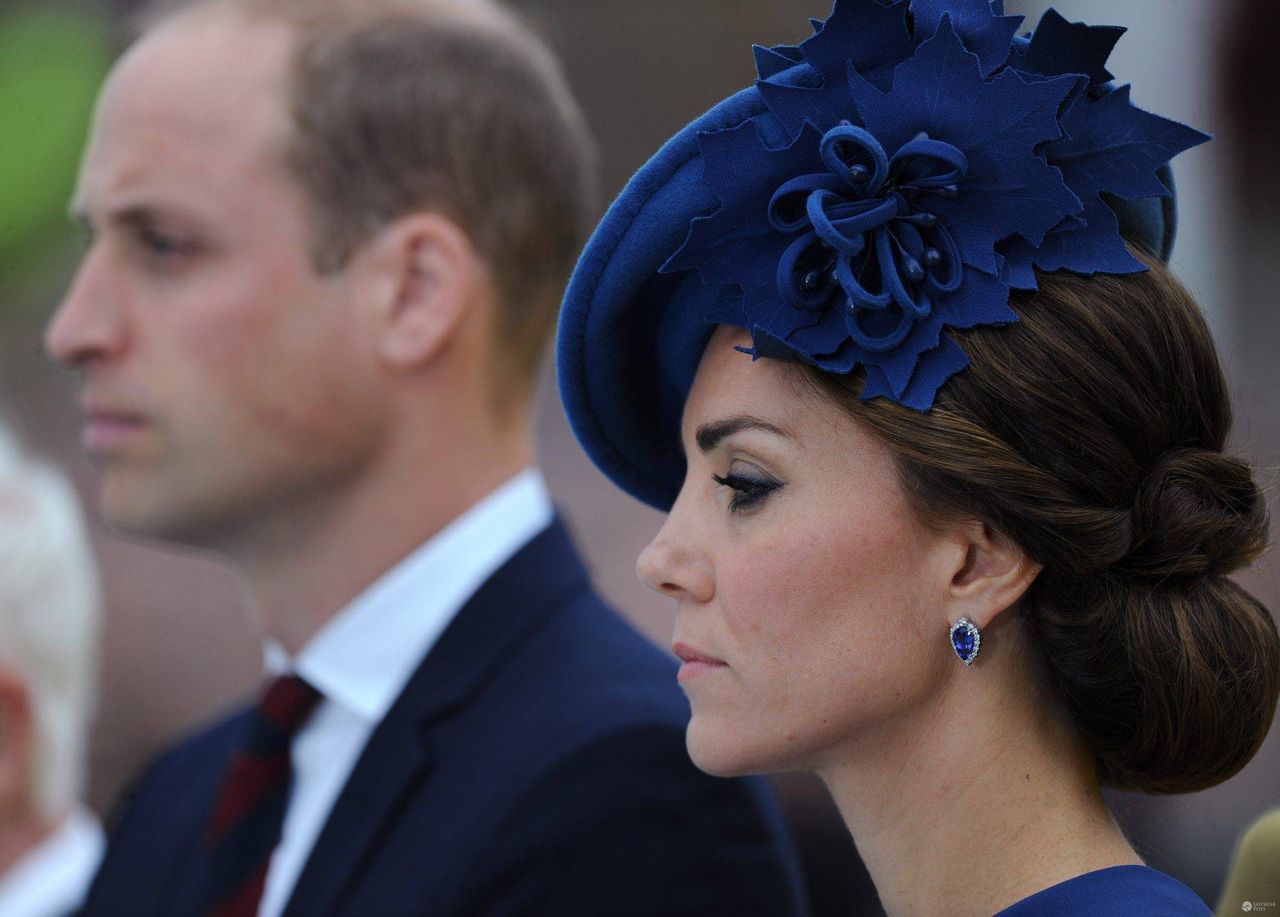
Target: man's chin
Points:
(146, 516)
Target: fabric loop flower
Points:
(914, 163)
(866, 238)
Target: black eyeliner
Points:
(747, 491)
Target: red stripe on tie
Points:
(248, 781)
(288, 702)
(244, 825)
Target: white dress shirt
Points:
(363, 657)
(51, 879)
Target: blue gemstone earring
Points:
(966, 640)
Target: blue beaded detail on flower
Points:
(914, 164)
(862, 218)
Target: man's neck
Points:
(321, 557)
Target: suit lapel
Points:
(494, 623)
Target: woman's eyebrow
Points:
(710, 434)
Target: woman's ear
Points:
(426, 276)
(992, 575)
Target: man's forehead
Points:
(210, 73)
(196, 97)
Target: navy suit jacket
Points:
(534, 764)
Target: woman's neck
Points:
(977, 802)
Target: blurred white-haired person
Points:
(50, 844)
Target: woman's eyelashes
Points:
(749, 490)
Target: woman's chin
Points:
(721, 753)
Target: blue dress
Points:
(1118, 891)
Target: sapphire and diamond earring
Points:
(966, 640)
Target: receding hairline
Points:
(334, 15)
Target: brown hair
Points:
(448, 105)
(1092, 432)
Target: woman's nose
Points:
(670, 566)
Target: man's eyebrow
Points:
(710, 434)
(134, 215)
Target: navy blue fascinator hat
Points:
(895, 175)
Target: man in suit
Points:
(328, 239)
(50, 843)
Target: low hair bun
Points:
(1092, 432)
(1173, 688)
(1196, 513)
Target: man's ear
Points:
(992, 575)
(17, 735)
(427, 275)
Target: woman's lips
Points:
(695, 662)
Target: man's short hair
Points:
(448, 105)
(49, 619)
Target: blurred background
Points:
(177, 648)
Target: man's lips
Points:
(108, 429)
(695, 662)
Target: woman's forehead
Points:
(731, 383)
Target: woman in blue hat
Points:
(891, 337)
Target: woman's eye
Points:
(747, 491)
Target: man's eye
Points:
(747, 491)
(162, 244)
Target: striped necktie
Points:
(247, 816)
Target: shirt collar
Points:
(363, 657)
(52, 877)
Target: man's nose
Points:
(87, 325)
